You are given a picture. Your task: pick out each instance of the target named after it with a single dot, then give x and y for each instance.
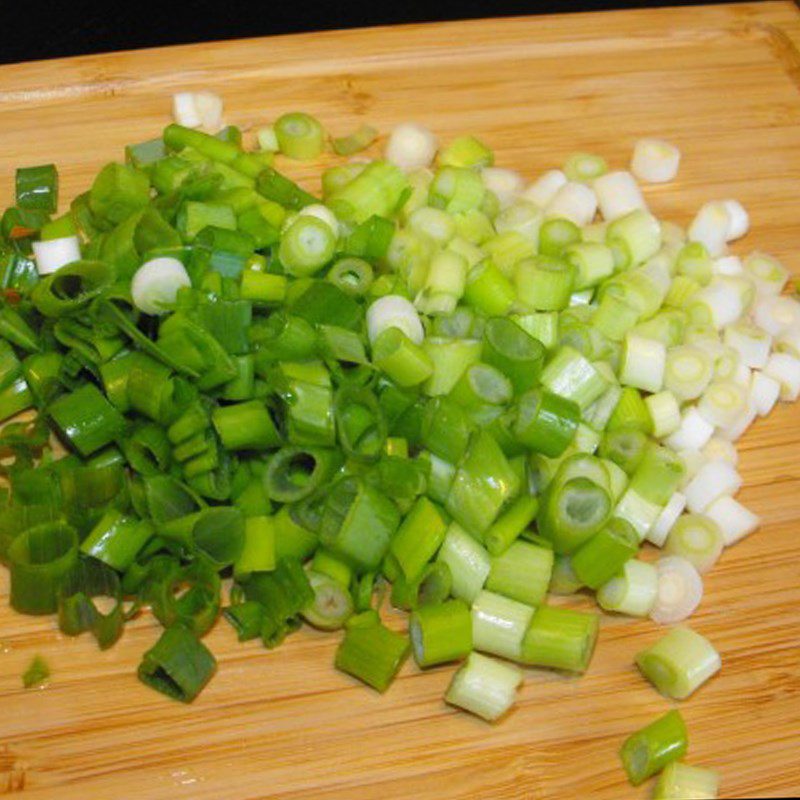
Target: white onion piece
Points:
(766, 272)
(786, 370)
(575, 202)
(657, 535)
(544, 189)
(637, 510)
(741, 375)
(739, 219)
(680, 590)
(52, 254)
(506, 184)
(710, 227)
(727, 265)
(694, 432)
(617, 195)
(722, 402)
(155, 285)
(751, 343)
(789, 342)
(209, 109)
(692, 460)
(721, 450)
(776, 314)
(764, 393)
(198, 110)
(184, 110)
(394, 311)
(735, 430)
(734, 520)
(411, 146)
(655, 161)
(714, 479)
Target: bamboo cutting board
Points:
(722, 83)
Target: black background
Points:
(74, 27)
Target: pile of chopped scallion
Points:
(431, 385)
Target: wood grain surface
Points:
(722, 83)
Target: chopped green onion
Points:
(178, 665)
(679, 781)
(560, 638)
(332, 605)
(522, 573)
(633, 591)
(499, 624)
(441, 633)
(679, 663)
(484, 686)
(37, 674)
(649, 750)
(468, 561)
(373, 654)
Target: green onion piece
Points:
(307, 245)
(245, 426)
(679, 663)
(658, 475)
(484, 686)
(246, 619)
(360, 140)
(117, 192)
(560, 638)
(376, 189)
(188, 596)
(354, 276)
(633, 591)
(696, 538)
(15, 330)
(86, 420)
(433, 585)
(69, 289)
(40, 559)
(373, 654)
(522, 573)
(499, 624)
(37, 674)
(332, 605)
(334, 567)
(418, 538)
(406, 363)
(483, 482)
(572, 511)
(178, 665)
(571, 375)
(516, 354)
(679, 781)
(258, 549)
(546, 422)
(446, 429)
(292, 540)
(147, 449)
(283, 594)
(295, 473)
(37, 188)
(481, 385)
(284, 337)
(564, 581)
(556, 235)
(651, 749)
(600, 558)
(300, 136)
(544, 283)
(274, 186)
(450, 358)
(488, 290)
(320, 302)
(441, 633)
(371, 239)
(77, 610)
(468, 562)
(117, 539)
(360, 423)
(466, 151)
(358, 523)
(510, 524)
(625, 447)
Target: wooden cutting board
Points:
(722, 83)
